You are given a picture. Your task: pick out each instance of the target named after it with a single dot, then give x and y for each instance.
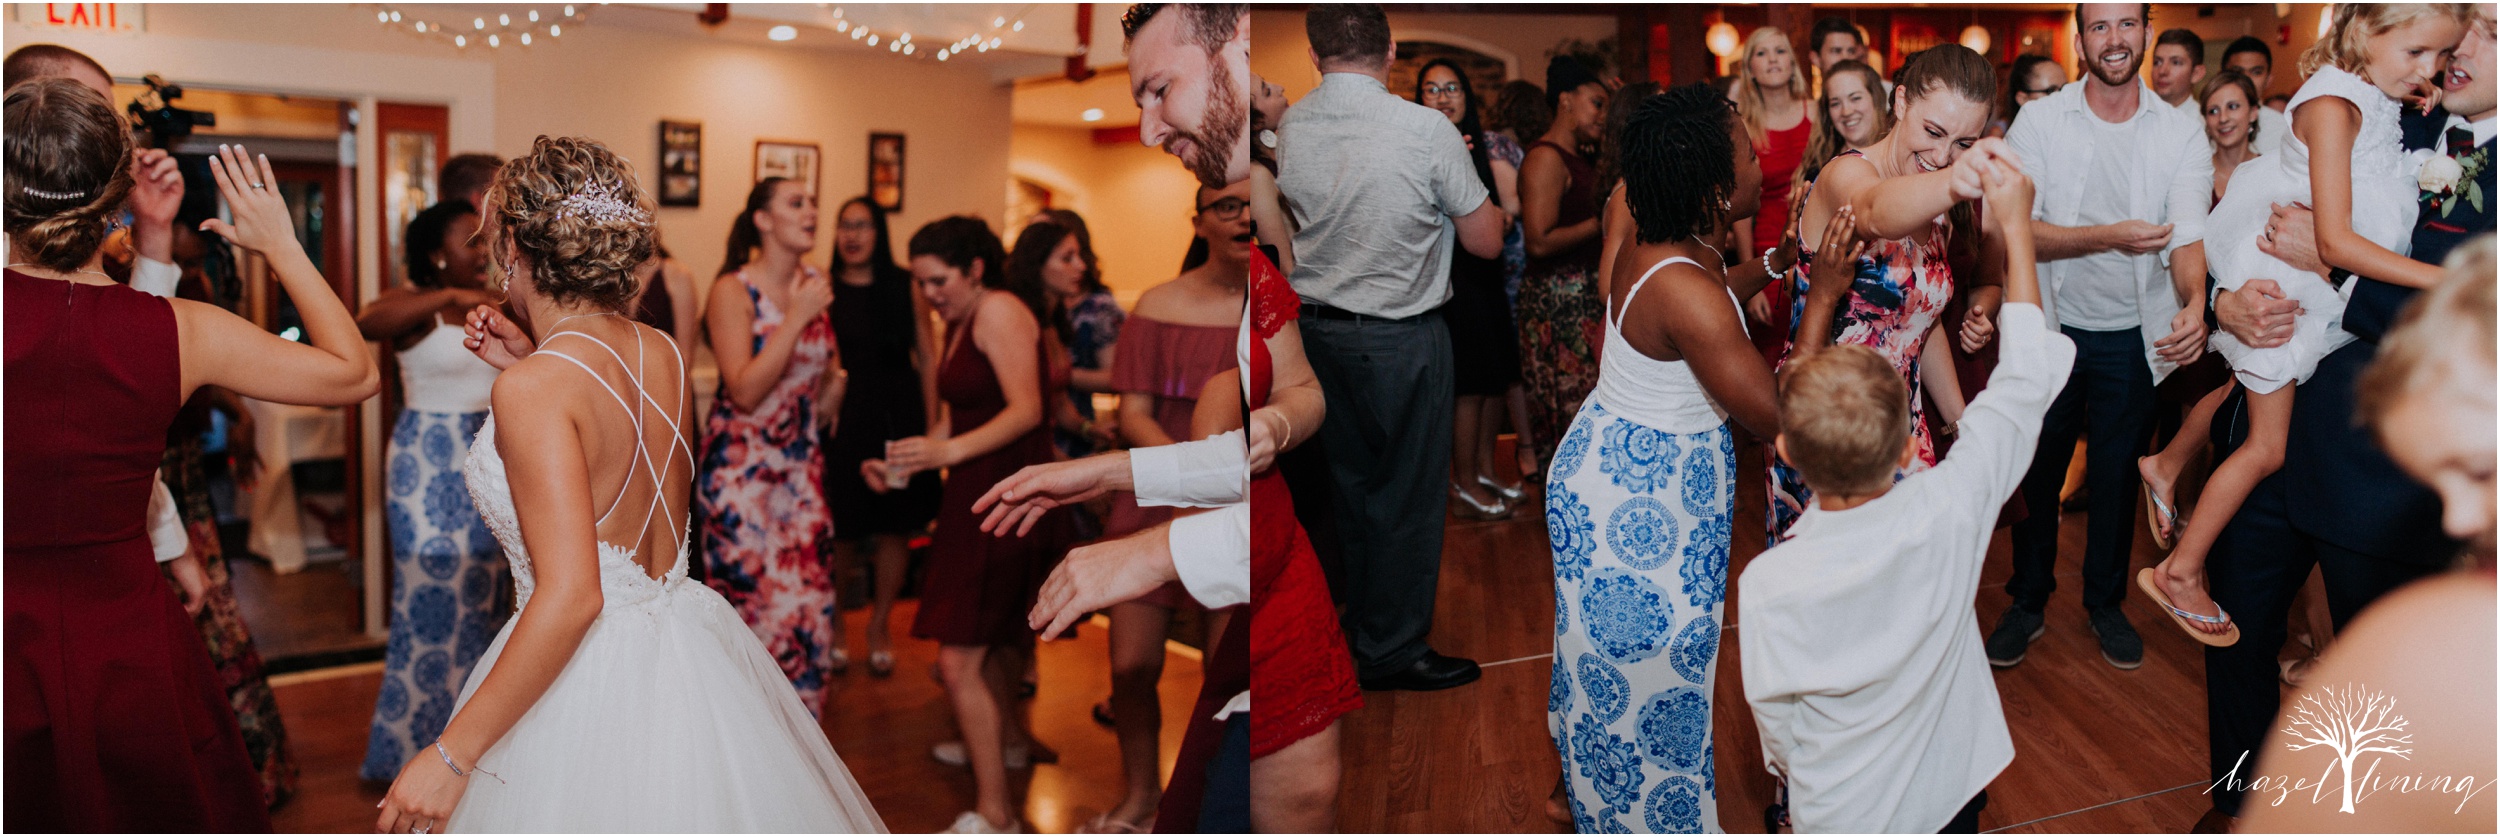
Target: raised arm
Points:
(221, 349)
(1904, 205)
(751, 371)
(1835, 276)
(1267, 213)
(402, 312)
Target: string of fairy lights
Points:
(900, 42)
(525, 27)
(531, 26)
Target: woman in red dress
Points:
(1770, 96)
(115, 717)
(1301, 676)
(978, 587)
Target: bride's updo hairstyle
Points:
(68, 171)
(573, 208)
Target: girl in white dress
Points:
(2346, 160)
(622, 697)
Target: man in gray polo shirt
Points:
(1383, 188)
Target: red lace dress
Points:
(1301, 676)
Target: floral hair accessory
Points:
(599, 202)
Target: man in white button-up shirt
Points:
(2124, 180)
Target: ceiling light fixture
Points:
(783, 32)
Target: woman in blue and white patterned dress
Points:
(447, 573)
(1642, 487)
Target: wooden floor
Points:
(882, 729)
(2096, 749)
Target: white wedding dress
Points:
(669, 717)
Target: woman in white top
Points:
(622, 697)
(447, 573)
(1641, 491)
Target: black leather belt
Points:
(1324, 312)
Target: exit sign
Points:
(91, 17)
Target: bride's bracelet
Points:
(455, 766)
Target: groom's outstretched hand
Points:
(1020, 500)
(1102, 574)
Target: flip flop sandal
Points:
(2158, 512)
(881, 663)
(2188, 621)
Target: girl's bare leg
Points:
(2182, 575)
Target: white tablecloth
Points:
(288, 434)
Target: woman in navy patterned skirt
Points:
(447, 574)
(1641, 490)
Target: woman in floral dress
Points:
(1905, 280)
(1641, 493)
(759, 486)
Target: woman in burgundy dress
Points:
(978, 587)
(115, 718)
(1558, 308)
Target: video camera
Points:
(154, 113)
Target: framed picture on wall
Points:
(885, 171)
(681, 163)
(795, 160)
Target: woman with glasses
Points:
(2034, 78)
(1484, 348)
(1181, 334)
(889, 355)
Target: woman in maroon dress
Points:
(115, 718)
(978, 587)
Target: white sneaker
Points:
(971, 822)
(952, 754)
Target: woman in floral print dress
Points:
(759, 486)
(1905, 280)
(1641, 492)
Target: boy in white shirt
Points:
(1861, 653)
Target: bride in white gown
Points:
(622, 697)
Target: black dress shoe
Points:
(1432, 672)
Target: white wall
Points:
(616, 84)
(1137, 201)
(613, 83)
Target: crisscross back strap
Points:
(642, 451)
